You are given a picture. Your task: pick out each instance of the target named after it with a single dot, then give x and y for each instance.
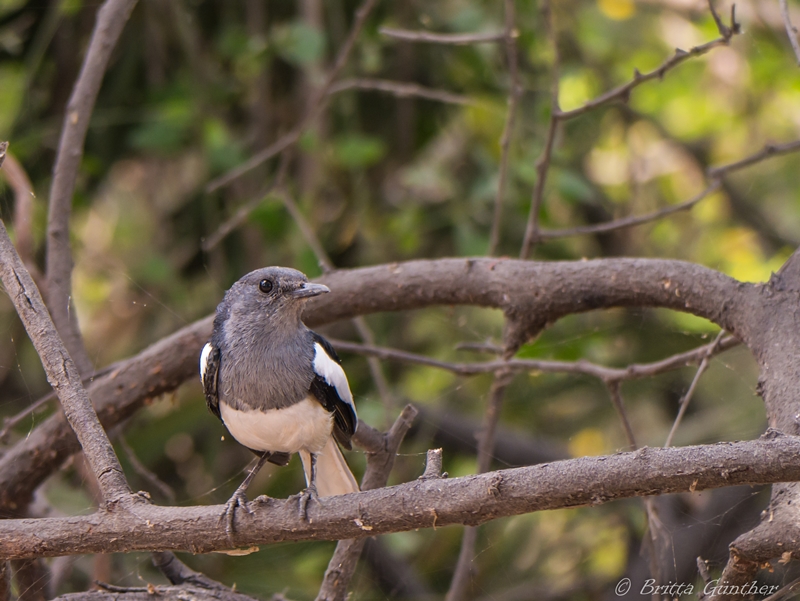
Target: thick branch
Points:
(111, 19)
(162, 593)
(533, 294)
(61, 372)
(469, 500)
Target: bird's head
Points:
(275, 293)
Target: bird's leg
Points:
(239, 498)
(311, 490)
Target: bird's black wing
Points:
(331, 389)
(209, 374)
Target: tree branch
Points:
(342, 565)
(61, 372)
(769, 150)
(111, 19)
(5, 581)
(163, 593)
(791, 30)
(622, 93)
(401, 89)
(510, 36)
(430, 37)
(684, 404)
(316, 104)
(624, 222)
(470, 500)
(635, 371)
(486, 441)
(23, 210)
(538, 292)
(543, 162)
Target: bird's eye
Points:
(265, 286)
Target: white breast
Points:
(303, 426)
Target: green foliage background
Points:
(195, 87)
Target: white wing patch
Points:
(204, 360)
(332, 373)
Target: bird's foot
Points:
(304, 498)
(238, 499)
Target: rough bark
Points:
(469, 500)
(772, 333)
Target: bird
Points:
(277, 386)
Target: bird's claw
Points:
(304, 498)
(238, 499)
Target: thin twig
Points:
(23, 211)
(401, 89)
(505, 140)
(359, 322)
(5, 581)
(61, 372)
(769, 150)
(30, 579)
(634, 371)
(11, 422)
(622, 92)
(615, 393)
(791, 30)
(238, 218)
(543, 162)
(466, 557)
(141, 469)
(429, 37)
(625, 222)
(715, 174)
(243, 212)
(684, 404)
(111, 19)
(323, 259)
(724, 30)
(316, 104)
(379, 466)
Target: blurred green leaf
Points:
(298, 43)
(356, 151)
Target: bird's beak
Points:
(308, 290)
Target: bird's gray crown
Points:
(266, 350)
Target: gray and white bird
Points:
(277, 386)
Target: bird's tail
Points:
(333, 475)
